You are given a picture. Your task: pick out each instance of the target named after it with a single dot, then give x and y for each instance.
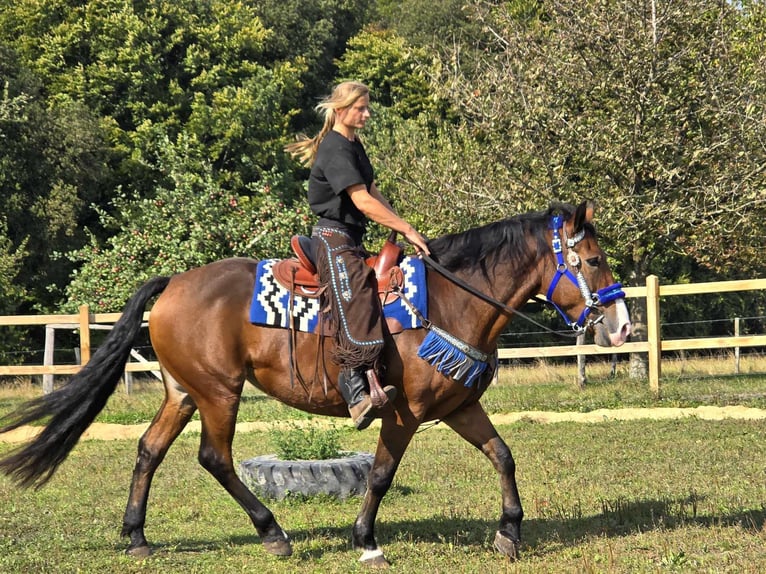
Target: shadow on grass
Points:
(256, 398)
(619, 518)
(622, 517)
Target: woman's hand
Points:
(420, 242)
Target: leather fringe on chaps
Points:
(352, 300)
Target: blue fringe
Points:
(449, 360)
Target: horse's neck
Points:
(468, 317)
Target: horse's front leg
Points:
(393, 441)
(473, 424)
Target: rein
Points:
(486, 298)
(592, 300)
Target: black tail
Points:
(74, 406)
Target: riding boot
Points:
(353, 388)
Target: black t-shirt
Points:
(339, 164)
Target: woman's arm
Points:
(375, 192)
(377, 208)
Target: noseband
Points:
(592, 300)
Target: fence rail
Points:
(84, 321)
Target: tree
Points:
(12, 295)
(655, 109)
(92, 87)
(436, 24)
(180, 66)
(51, 168)
(188, 223)
(392, 70)
(312, 35)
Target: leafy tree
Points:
(92, 87)
(311, 35)
(186, 224)
(183, 66)
(392, 70)
(656, 110)
(644, 109)
(12, 295)
(434, 23)
(51, 165)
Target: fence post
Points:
(581, 379)
(736, 349)
(653, 332)
(50, 346)
(84, 335)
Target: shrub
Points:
(306, 443)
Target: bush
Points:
(306, 443)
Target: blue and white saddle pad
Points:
(271, 301)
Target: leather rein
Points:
(592, 300)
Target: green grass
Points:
(663, 496)
(545, 386)
(683, 495)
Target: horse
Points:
(207, 349)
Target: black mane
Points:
(480, 248)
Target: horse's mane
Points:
(480, 248)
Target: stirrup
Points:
(364, 412)
(379, 396)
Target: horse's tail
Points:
(73, 407)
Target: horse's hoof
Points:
(507, 546)
(139, 551)
(278, 547)
(374, 559)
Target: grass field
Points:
(683, 495)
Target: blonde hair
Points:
(343, 96)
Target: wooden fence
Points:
(654, 346)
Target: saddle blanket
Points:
(270, 304)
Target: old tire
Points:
(338, 477)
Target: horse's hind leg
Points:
(473, 424)
(176, 410)
(219, 416)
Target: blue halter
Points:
(592, 300)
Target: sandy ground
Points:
(104, 431)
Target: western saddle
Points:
(299, 273)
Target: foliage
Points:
(189, 223)
(660, 116)
(428, 23)
(391, 69)
(10, 262)
(12, 294)
(51, 158)
(183, 65)
(306, 442)
(312, 35)
(642, 109)
(90, 88)
(441, 179)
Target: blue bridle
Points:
(592, 300)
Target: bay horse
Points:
(207, 348)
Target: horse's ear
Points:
(583, 215)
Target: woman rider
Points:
(343, 194)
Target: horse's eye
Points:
(593, 261)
